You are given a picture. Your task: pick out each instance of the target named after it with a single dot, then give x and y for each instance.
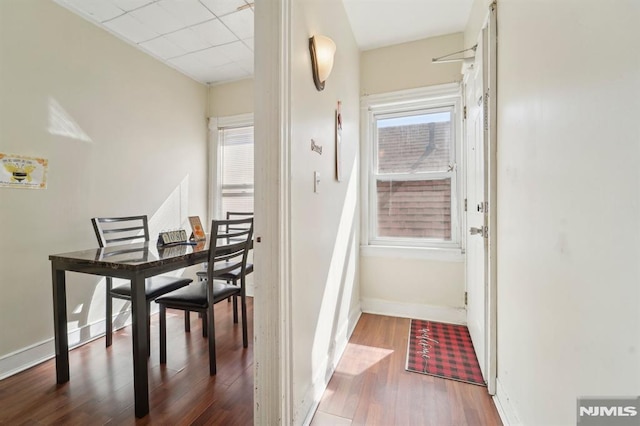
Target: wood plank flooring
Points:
(180, 393)
(369, 387)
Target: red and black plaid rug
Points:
(442, 350)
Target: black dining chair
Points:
(233, 276)
(112, 231)
(230, 242)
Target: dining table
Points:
(134, 262)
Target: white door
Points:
(475, 214)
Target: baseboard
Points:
(328, 368)
(22, 359)
(415, 311)
(505, 409)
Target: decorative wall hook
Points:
(316, 148)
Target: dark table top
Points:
(134, 256)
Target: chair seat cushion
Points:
(233, 275)
(153, 287)
(194, 296)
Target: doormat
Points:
(442, 350)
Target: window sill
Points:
(403, 252)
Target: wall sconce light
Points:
(322, 50)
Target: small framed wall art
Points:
(17, 171)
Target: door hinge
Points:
(485, 111)
(465, 298)
(465, 204)
(483, 231)
(464, 112)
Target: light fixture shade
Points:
(322, 50)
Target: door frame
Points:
(273, 372)
(488, 37)
(490, 63)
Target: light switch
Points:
(316, 182)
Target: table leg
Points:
(211, 331)
(60, 324)
(140, 348)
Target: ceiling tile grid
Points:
(211, 41)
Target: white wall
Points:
(123, 134)
(231, 98)
(324, 228)
(408, 286)
(477, 20)
(568, 205)
(409, 65)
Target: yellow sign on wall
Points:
(23, 172)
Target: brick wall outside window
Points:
(414, 208)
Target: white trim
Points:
(492, 191)
(506, 411)
(433, 97)
(22, 359)
(214, 183)
(240, 120)
(32, 355)
(273, 367)
(408, 96)
(411, 310)
(426, 253)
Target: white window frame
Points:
(436, 98)
(215, 158)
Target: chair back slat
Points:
(237, 227)
(112, 230)
(225, 257)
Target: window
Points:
(412, 157)
(233, 180)
(236, 152)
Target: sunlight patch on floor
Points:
(359, 358)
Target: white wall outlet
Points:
(316, 182)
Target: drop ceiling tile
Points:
(211, 57)
(186, 61)
(198, 64)
(214, 32)
(249, 42)
(185, 34)
(223, 7)
(97, 10)
(226, 73)
(157, 18)
(131, 29)
(163, 48)
(247, 65)
(189, 12)
(236, 51)
(241, 23)
(129, 5)
(188, 40)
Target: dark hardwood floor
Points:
(180, 393)
(369, 387)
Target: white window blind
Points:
(236, 174)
